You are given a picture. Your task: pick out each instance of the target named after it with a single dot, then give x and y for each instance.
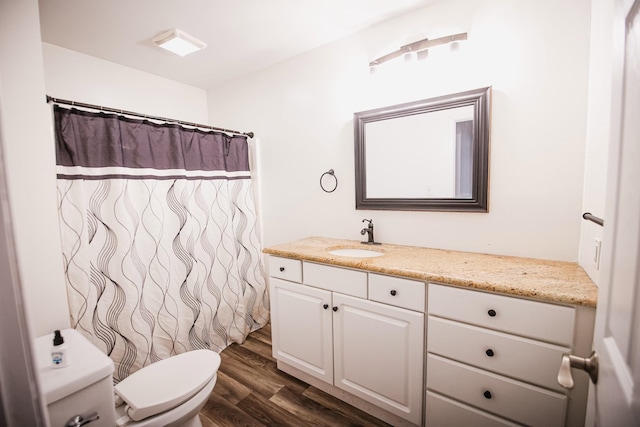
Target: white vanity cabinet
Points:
(327, 326)
(482, 347)
(493, 360)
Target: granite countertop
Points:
(553, 281)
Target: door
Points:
(379, 354)
(616, 397)
(302, 327)
(20, 405)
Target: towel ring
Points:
(330, 172)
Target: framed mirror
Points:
(425, 155)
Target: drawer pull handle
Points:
(393, 293)
(325, 306)
(281, 268)
(490, 353)
(487, 394)
(335, 308)
(492, 313)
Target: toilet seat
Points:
(163, 385)
(183, 415)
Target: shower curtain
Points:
(159, 233)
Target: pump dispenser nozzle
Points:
(57, 339)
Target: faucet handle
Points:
(370, 221)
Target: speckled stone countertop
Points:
(553, 281)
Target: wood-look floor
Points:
(251, 391)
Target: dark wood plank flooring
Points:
(251, 391)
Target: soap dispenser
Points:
(59, 356)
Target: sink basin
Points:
(356, 253)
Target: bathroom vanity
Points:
(420, 336)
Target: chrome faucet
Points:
(369, 231)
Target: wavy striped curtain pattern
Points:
(159, 233)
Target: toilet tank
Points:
(83, 387)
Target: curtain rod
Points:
(146, 116)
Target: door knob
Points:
(588, 364)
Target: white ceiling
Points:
(243, 36)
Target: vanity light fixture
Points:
(179, 42)
(419, 48)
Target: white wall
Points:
(30, 167)
(535, 56)
(78, 77)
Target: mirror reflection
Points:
(430, 155)
(426, 155)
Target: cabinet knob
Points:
(325, 306)
(393, 292)
(487, 394)
(281, 268)
(492, 313)
(335, 308)
(489, 353)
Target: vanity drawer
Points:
(342, 280)
(442, 411)
(396, 291)
(285, 268)
(521, 358)
(547, 322)
(496, 394)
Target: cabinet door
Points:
(301, 327)
(378, 354)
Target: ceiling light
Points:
(179, 42)
(419, 48)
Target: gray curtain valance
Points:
(122, 142)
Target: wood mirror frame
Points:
(480, 100)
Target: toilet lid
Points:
(166, 384)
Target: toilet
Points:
(170, 392)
